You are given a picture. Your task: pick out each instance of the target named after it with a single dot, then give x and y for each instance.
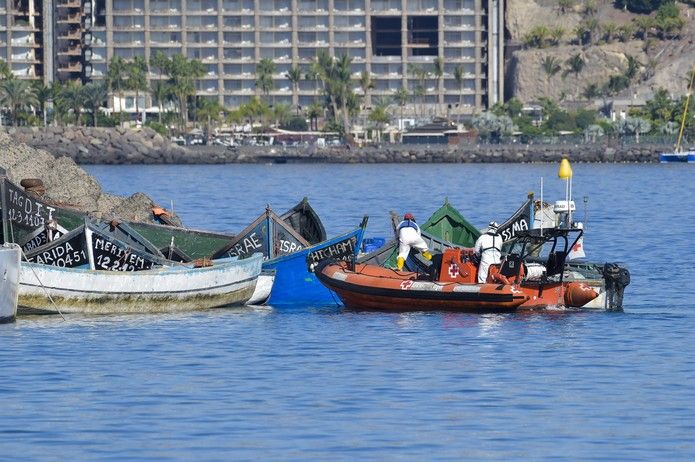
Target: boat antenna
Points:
(685, 111)
(586, 210)
(542, 209)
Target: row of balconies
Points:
(283, 12)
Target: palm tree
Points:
(93, 95)
(137, 80)
(557, 34)
(459, 74)
(551, 66)
(161, 94)
(5, 71)
(281, 113)
(592, 91)
(401, 97)
(610, 31)
(380, 116)
(438, 74)
(72, 98)
(633, 67)
(294, 75)
(116, 77)
(313, 112)
(343, 87)
(264, 76)
(182, 77)
(420, 74)
(208, 110)
(366, 84)
(16, 94)
(575, 63)
(44, 94)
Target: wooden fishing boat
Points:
(45, 288)
(291, 257)
(34, 222)
(10, 255)
(303, 219)
(517, 283)
(91, 270)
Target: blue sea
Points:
(319, 383)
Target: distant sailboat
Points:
(679, 155)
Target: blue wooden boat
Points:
(292, 257)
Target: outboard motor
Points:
(617, 278)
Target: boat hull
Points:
(295, 280)
(264, 288)
(47, 289)
(677, 157)
(10, 256)
(371, 287)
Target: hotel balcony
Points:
(68, 4)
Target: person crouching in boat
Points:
(409, 236)
(488, 247)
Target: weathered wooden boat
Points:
(450, 284)
(35, 222)
(47, 289)
(10, 256)
(292, 257)
(303, 219)
(90, 270)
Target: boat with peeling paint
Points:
(49, 289)
(10, 255)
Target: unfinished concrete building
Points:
(396, 41)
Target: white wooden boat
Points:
(10, 256)
(47, 289)
(264, 287)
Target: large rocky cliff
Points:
(664, 63)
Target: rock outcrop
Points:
(68, 184)
(87, 145)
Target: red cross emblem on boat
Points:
(453, 270)
(577, 247)
(405, 285)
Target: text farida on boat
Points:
(524, 280)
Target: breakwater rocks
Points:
(144, 146)
(66, 184)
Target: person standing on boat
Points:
(409, 236)
(488, 247)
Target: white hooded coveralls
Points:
(409, 236)
(488, 247)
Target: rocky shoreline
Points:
(86, 145)
(64, 183)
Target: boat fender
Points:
(578, 294)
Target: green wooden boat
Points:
(448, 224)
(31, 222)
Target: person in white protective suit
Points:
(409, 236)
(488, 247)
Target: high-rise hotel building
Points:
(75, 39)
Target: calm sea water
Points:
(321, 383)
